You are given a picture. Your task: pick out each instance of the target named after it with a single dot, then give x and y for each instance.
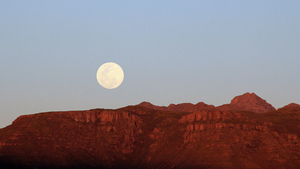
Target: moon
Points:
(110, 75)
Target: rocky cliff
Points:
(141, 137)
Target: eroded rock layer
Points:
(141, 137)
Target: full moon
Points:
(110, 75)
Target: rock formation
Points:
(183, 107)
(248, 102)
(147, 136)
(292, 105)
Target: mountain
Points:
(292, 105)
(148, 136)
(248, 102)
(183, 107)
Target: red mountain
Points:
(188, 136)
(183, 107)
(292, 105)
(248, 102)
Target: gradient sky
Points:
(170, 51)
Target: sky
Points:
(170, 51)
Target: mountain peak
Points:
(247, 98)
(151, 106)
(248, 102)
(145, 104)
(292, 105)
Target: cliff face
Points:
(75, 138)
(139, 137)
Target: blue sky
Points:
(170, 51)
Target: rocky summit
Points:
(248, 102)
(247, 133)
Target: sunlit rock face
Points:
(183, 107)
(292, 105)
(248, 102)
(149, 136)
(75, 138)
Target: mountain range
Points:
(247, 133)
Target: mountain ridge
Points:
(137, 136)
(247, 102)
